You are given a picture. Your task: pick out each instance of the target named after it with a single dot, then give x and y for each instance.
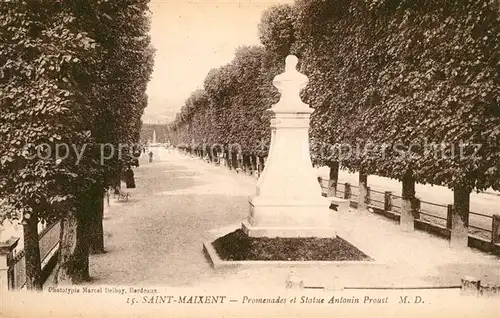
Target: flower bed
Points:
(237, 246)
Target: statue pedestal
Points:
(288, 200)
(288, 219)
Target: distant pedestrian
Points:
(150, 156)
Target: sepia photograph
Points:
(250, 158)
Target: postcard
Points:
(246, 158)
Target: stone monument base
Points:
(268, 231)
(269, 218)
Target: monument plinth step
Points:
(282, 231)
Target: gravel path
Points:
(156, 238)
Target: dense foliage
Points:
(73, 79)
(396, 85)
(231, 107)
(43, 84)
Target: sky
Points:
(191, 38)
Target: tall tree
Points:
(60, 65)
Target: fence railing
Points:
(248, 164)
(15, 261)
(469, 286)
(477, 223)
(483, 226)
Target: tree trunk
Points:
(252, 165)
(215, 157)
(236, 161)
(244, 165)
(73, 263)
(406, 221)
(32, 253)
(96, 228)
(460, 218)
(129, 179)
(333, 178)
(363, 190)
(116, 184)
(229, 160)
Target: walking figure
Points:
(150, 156)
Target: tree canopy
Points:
(400, 85)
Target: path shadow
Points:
(173, 181)
(180, 184)
(174, 167)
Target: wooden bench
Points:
(340, 205)
(121, 195)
